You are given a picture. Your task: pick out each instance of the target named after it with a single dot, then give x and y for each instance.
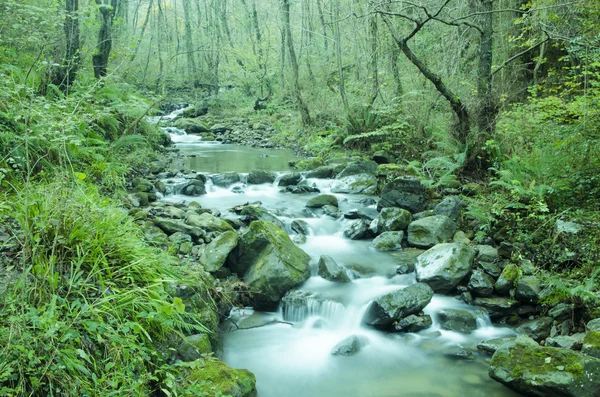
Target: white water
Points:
(295, 360)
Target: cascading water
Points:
(290, 350)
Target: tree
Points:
(64, 76)
(104, 44)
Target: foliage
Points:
(90, 304)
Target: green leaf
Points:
(179, 305)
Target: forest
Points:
(169, 166)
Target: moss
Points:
(592, 338)
(510, 272)
(524, 360)
(218, 379)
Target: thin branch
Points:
(509, 60)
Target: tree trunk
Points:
(104, 45)
(304, 113)
(373, 56)
(461, 131)
(189, 43)
(67, 73)
(487, 106)
(139, 41)
(338, 51)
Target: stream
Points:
(289, 351)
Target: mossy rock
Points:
(215, 254)
(191, 126)
(535, 370)
(269, 262)
(310, 164)
(193, 347)
(322, 200)
(507, 279)
(591, 344)
(208, 222)
(215, 379)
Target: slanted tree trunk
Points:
(104, 46)
(66, 74)
(304, 113)
(462, 128)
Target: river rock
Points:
(444, 266)
(225, 180)
(486, 253)
(534, 370)
(256, 213)
(405, 192)
(172, 226)
(450, 206)
(330, 270)
(388, 241)
(299, 239)
(366, 214)
(173, 212)
(432, 230)
(457, 320)
(358, 230)
(300, 189)
(490, 346)
(390, 220)
(593, 325)
(300, 227)
(357, 168)
(537, 329)
(497, 307)
(355, 184)
(322, 200)
(223, 381)
(208, 222)
(349, 346)
(490, 268)
(258, 177)
(572, 342)
(507, 279)
(528, 289)
(386, 310)
(193, 347)
(562, 311)
(290, 179)
(215, 254)
(193, 188)
(591, 344)
(414, 323)
(323, 172)
(331, 211)
(481, 284)
(269, 263)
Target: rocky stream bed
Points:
(356, 283)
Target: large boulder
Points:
(172, 226)
(217, 377)
(414, 323)
(215, 254)
(390, 308)
(193, 188)
(225, 180)
(429, 231)
(358, 230)
(533, 370)
(444, 266)
(254, 213)
(290, 179)
(450, 206)
(258, 177)
(390, 220)
(330, 270)
(388, 241)
(405, 192)
(269, 263)
(457, 320)
(208, 222)
(324, 172)
(507, 279)
(355, 184)
(537, 329)
(481, 283)
(322, 200)
(498, 307)
(528, 289)
(359, 167)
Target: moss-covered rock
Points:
(591, 344)
(444, 266)
(322, 200)
(208, 222)
(214, 378)
(391, 219)
(388, 309)
(193, 347)
(507, 279)
(215, 254)
(191, 126)
(257, 177)
(269, 263)
(429, 231)
(354, 184)
(534, 370)
(388, 241)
